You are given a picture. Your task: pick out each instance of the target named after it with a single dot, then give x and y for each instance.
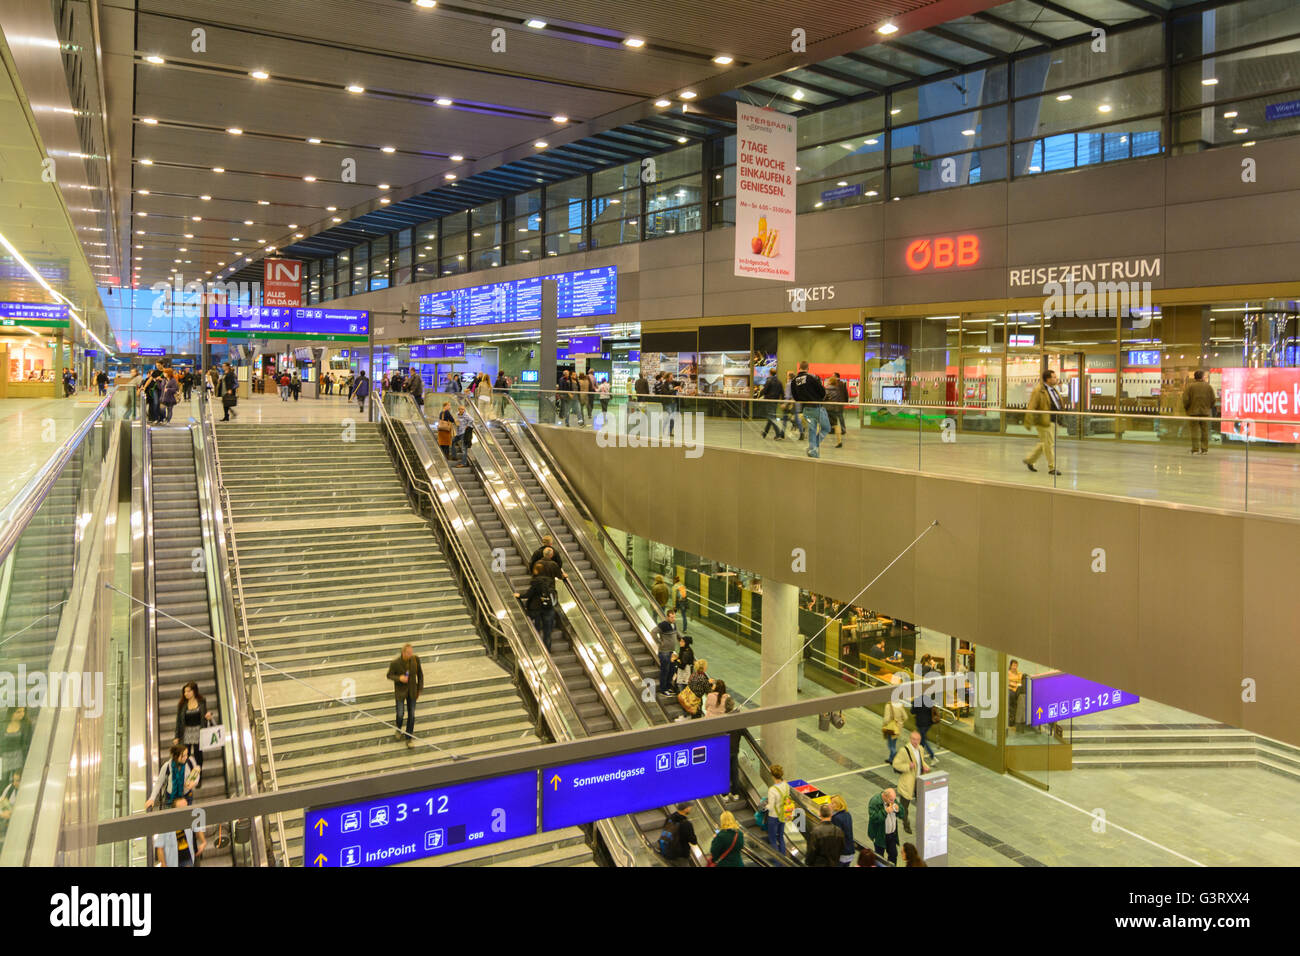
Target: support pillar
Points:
(780, 644)
(546, 351)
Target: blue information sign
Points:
(411, 826)
(33, 313)
(91, 352)
(582, 294)
(278, 322)
(842, 192)
(1277, 111)
(612, 786)
(584, 344)
(634, 355)
(858, 333)
(157, 351)
(1055, 696)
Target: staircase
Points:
(337, 575)
(181, 592)
(1208, 746)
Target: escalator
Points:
(182, 621)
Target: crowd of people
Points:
(178, 778)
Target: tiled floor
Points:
(1096, 817)
(31, 429)
(270, 409)
(1147, 469)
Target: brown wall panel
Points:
(947, 559)
(1271, 646)
(1012, 576)
(888, 523)
(1086, 192)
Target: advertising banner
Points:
(1261, 404)
(282, 282)
(765, 193)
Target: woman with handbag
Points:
(895, 719)
(699, 685)
(725, 850)
(446, 429)
(191, 712)
(177, 779)
(685, 661)
(774, 814)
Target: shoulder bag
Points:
(689, 701)
(727, 850)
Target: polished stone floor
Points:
(1258, 479)
(31, 430)
(1093, 817)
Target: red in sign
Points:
(282, 282)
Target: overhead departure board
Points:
(582, 294)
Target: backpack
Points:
(670, 840)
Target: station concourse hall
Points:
(650, 437)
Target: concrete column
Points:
(780, 643)
(546, 350)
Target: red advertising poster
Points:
(282, 282)
(1261, 403)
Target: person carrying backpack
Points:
(780, 809)
(284, 386)
(362, 391)
(539, 602)
(678, 834)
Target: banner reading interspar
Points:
(765, 193)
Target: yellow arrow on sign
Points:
(555, 782)
(1040, 712)
(320, 826)
(320, 860)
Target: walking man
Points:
(408, 680)
(809, 392)
(1198, 403)
(909, 765)
(1038, 415)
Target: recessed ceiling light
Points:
(559, 118)
(149, 120)
(388, 149)
(1103, 108)
(1231, 114)
(662, 104)
(261, 240)
(1210, 81)
(872, 192)
(142, 214)
(968, 132)
(293, 225)
(535, 23)
(385, 186)
(143, 192)
(457, 157)
(154, 59)
(443, 101)
(313, 139)
(540, 144)
(385, 201)
(183, 249)
(309, 179)
(176, 260)
(221, 263)
(885, 29)
(189, 235)
(687, 94)
(331, 208)
(297, 235)
(205, 197)
(427, 4)
(797, 94)
(218, 169)
(260, 75)
(448, 176)
(139, 232)
(234, 131)
(248, 222)
(264, 202)
(1064, 98)
(336, 219)
(722, 59)
(354, 88)
(1240, 130)
(895, 111)
(682, 139)
(634, 42)
(146, 162)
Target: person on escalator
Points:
(844, 820)
(699, 683)
(415, 386)
(684, 659)
(725, 850)
(539, 602)
(659, 591)
(826, 840)
(446, 428)
(666, 631)
(460, 445)
(547, 542)
(678, 835)
(778, 797)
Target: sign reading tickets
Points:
(282, 283)
(765, 193)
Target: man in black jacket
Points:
(808, 391)
(772, 396)
(826, 841)
(408, 680)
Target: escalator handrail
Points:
(258, 703)
(614, 650)
(23, 507)
(581, 530)
(237, 714)
(496, 614)
(617, 839)
(151, 728)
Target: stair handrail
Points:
(246, 645)
(151, 733)
(242, 741)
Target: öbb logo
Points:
(943, 252)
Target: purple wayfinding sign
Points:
(1054, 697)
